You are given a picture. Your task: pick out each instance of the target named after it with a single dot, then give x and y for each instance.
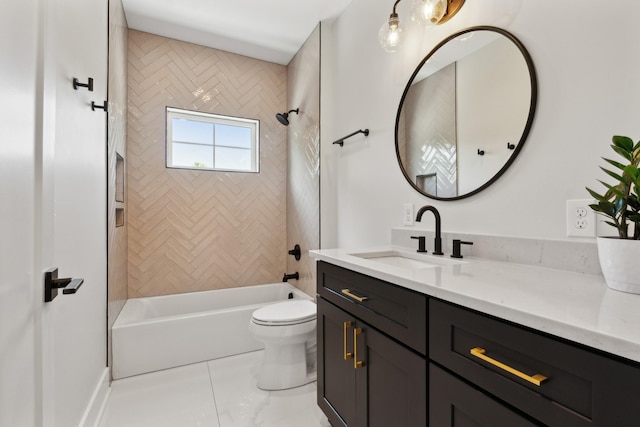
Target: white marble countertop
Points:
(578, 307)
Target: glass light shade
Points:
(390, 34)
(428, 12)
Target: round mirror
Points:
(465, 113)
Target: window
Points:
(212, 142)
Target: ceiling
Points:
(271, 30)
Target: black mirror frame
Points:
(525, 132)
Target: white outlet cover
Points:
(407, 214)
(581, 219)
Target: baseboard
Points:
(95, 408)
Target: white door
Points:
(53, 354)
(77, 323)
(18, 64)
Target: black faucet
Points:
(437, 241)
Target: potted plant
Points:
(620, 203)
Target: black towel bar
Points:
(340, 141)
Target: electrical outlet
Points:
(407, 214)
(581, 219)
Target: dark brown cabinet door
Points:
(336, 375)
(453, 403)
(391, 383)
(366, 379)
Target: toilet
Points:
(288, 331)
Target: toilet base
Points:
(286, 366)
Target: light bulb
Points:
(390, 34)
(428, 12)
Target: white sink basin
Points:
(407, 259)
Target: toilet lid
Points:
(285, 313)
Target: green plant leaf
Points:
(620, 206)
(599, 209)
(612, 174)
(608, 209)
(623, 142)
(631, 171)
(611, 191)
(634, 205)
(614, 163)
(621, 200)
(597, 196)
(624, 153)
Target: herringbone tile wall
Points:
(193, 230)
(303, 186)
(431, 132)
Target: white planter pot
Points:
(620, 263)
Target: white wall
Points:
(492, 110)
(303, 150)
(586, 59)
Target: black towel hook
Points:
(88, 85)
(102, 107)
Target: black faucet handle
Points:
(421, 243)
(457, 251)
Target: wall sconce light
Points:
(390, 32)
(425, 12)
(434, 12)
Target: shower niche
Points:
(119, 195)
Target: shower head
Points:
(284, 117)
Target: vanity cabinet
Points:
(554, 382)
(366, 377)
(389, 356)
(455, 403)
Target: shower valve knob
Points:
(296, 252)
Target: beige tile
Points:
(201, 230)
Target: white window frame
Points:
(252, 124)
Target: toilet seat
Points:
(291, 312)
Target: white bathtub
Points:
(162, 332)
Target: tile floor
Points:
(218, 393)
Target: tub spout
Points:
(286, 276)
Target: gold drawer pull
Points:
(535, 379)
(345, 326)
(356, 363)
(348, 293)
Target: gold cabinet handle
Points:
(536, 379)
(356, 363)
(345, 326)
(348, 293)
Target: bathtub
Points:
(163, 332)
